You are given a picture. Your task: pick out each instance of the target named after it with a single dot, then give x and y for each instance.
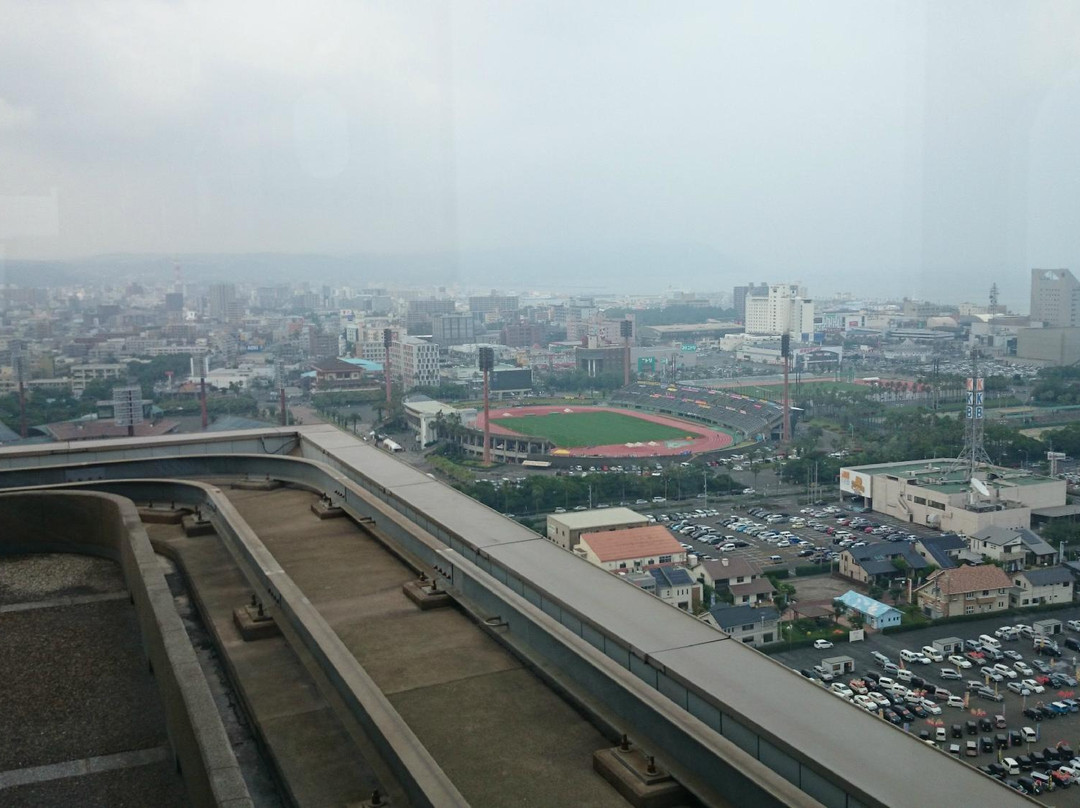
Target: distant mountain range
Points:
(630, 269)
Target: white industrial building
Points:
(937, 493)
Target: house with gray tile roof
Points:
(876, 563)
(1013, 548)
(753, 626)
(1043, 585)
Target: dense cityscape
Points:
(519, 405)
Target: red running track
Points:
(710, 441)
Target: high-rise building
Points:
(784, 310)
(453, 329)
(739, 295)
(1055, 298)
(223, 305)
(414, 362)
(419, 314)
(493, 303)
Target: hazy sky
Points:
(919, 148)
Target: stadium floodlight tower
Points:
(486, 361)
(387, 341)
(626, 330)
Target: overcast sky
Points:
(877, 147)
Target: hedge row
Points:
(969, 618)
(811, 569)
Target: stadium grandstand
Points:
(749, 418)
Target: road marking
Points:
(72, 600)
(76, 768)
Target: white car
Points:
(960, 661)
(866, 702)
(955, 701)
(842, 690)
(879, 698)
(1029, 735)
(934, 654)
(950, 673)
(930, 707)
(1005, 670)
(1024, 668)
(1074, 625)
(1033, 686)
(1018, 688)
(822, 644)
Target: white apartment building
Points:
(414, 362)
(81, 375)
(785, 309)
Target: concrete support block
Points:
(424, 595)
(642, 784)
(161, 514)
(254, 626)
(324, 510)
(196, 526)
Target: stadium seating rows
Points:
(750, 417)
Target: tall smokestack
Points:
(785, 353)
(387, 341)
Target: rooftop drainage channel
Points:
(257, 771)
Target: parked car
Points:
(822, 644)
(950, 673)
(959, 661)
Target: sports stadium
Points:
(642, 420)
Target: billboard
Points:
(856, 482)
(502, 380)
(646, 364)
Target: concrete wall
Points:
(109, 526)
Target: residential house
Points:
(676, 586)
(1014, 549)
(335, 374)
(880, 563)
(738, 577)
(753, 626)
(1044, 585)
(724, 572)
(634, 548)
(964, 590)
(877, 614)
(943, 551)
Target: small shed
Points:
(839, 665)
(949, 645)
(1046, 627)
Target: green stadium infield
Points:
(606, 431)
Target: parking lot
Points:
(805, 535)
(1050, 731)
